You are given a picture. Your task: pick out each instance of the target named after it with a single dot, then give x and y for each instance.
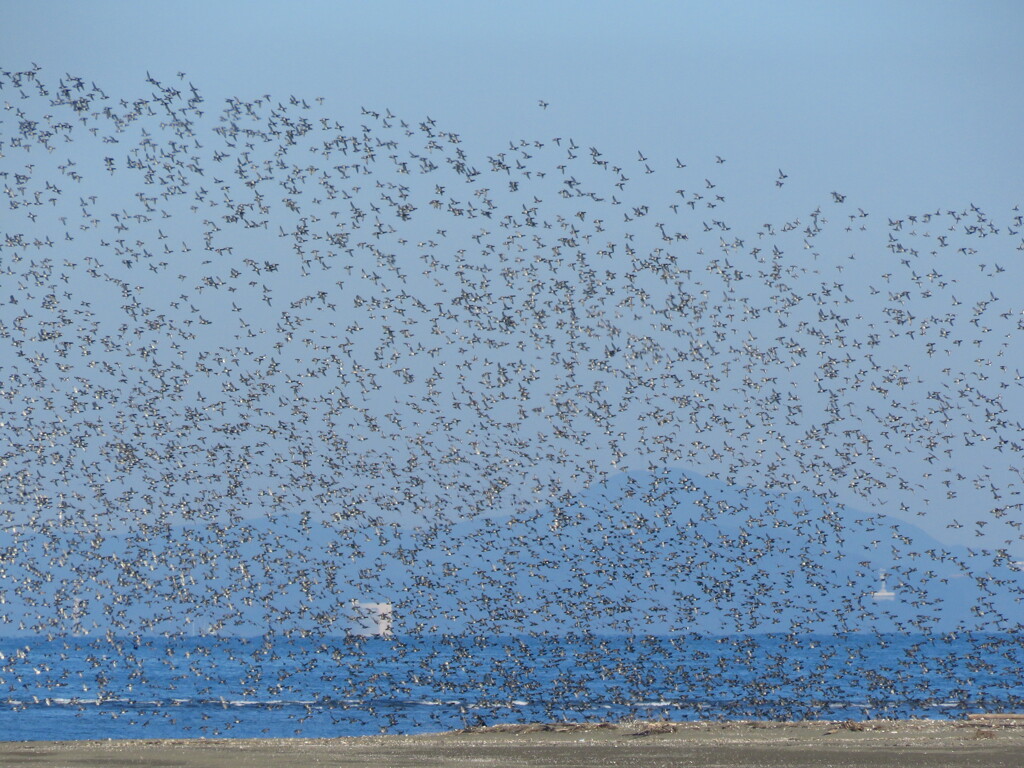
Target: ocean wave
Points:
(576, 704)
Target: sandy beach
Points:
(983, 741)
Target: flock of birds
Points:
(258, 361)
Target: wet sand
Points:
(981, 742)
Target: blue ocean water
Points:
(85, 688)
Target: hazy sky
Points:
(903, 107)
(896, 103)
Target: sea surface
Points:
(192, 687)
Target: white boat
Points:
(369, 619)
(883, 593)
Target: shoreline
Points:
(994, 741)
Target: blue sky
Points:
(903, 108)
(905, 103)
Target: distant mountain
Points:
(678, 552)
(642, 552)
